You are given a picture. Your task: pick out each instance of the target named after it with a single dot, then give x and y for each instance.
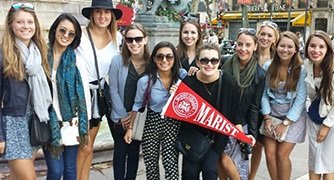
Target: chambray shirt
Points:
(299, 97)
(159, 94)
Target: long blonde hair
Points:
(273, 45)
(112, 27)
(13, 66)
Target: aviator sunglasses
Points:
(247, 30)
(138, 39)
(18, 5)
(160, 57)
(62, 31)
(205, 61)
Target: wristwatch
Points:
(285, 122)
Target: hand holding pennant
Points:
(185, 105)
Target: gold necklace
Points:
(207, 90)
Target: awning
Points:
(127, 17)
(299, 21)
(214, 24)
(264, 15)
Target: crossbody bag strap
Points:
(219, 88)
(220, 81)
(147, 96)
(291, 100)
(95, 58)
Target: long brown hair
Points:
(13, 66)
(126, 54)
(112, 27)
(326, 88)
(295, 64)
(181, 47)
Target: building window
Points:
(322, 3)
(301, 4)
(235, 5)
(321, 24)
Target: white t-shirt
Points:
(103, 55)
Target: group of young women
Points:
(59, 83)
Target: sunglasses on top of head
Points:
(186, 19)
(138, 39)
(62, 31)
(251, 31)
(269, 23)
(18, 5)
(205, 61)
(160, 57)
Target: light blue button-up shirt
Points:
(159, 94)
(299, 97)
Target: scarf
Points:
(244, 76)
(40, 92)
(71, 99)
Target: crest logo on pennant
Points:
(185, 105)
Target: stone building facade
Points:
(48, 10)
(321, 15)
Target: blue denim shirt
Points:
(299, 97)
(159, 94)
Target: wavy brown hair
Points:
(295, 64)
(326, 88)
(112, 27)
(126, 54)
(181, 47)
(13, 66)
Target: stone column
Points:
(159, 29)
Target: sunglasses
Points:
(251, 31)
(138, 39)
(185, 19)
(269, 23)
(18, 5)
(205, 61)
(160, 57)
(62, 31)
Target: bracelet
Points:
(266, 119)
(130, 128)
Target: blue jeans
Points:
(65, 166)
(124, 154)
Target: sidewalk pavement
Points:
(103, 169)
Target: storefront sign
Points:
(244, 1)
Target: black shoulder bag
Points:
(40, 132)
(191, 143)
(103, 96)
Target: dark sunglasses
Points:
(269, 23)
(247, 30)
(205, 61)
(137, 39)
(62, 31)
(18, 5)
(160, 57)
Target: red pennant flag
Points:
(186, 105)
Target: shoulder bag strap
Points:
(220, 81)
(147, 96)
(291, 100)
(96, 64)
